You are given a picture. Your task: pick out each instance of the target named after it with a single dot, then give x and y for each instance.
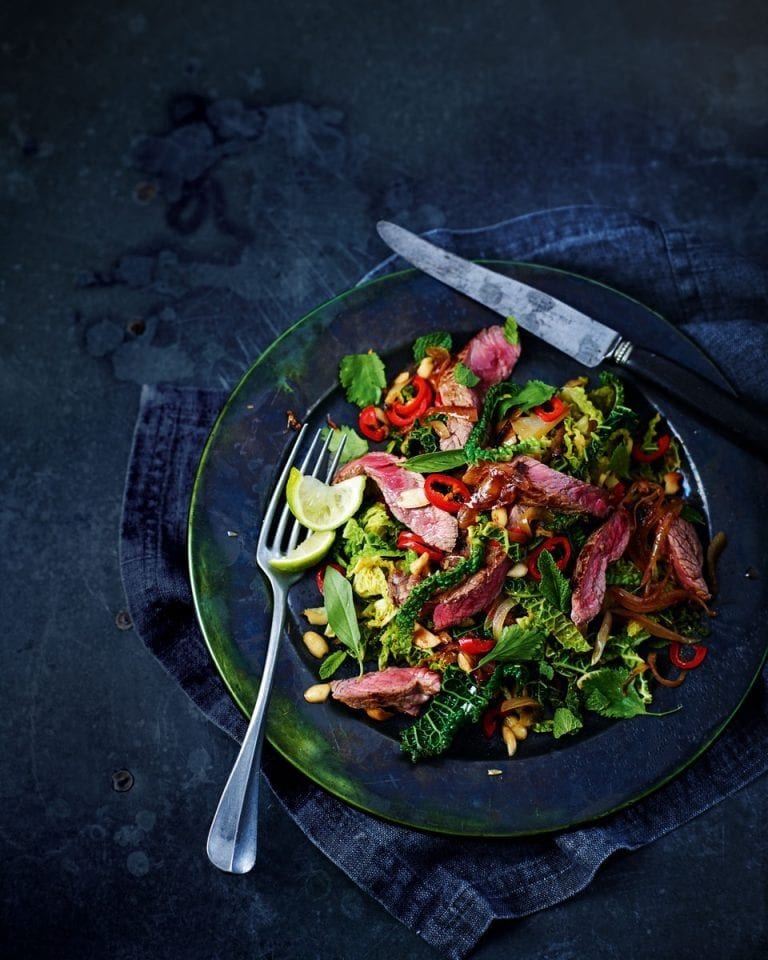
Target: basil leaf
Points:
(340, 607)
(437, 462)
(463, 375)
(363, 377)
(517, 643)
(331, 664)
(443, 340)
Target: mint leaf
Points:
(443, 340)
(604, 693)
(511, 331)
(565, 721)
(340, 607)
(363, 377)
(438, 462)
(517, 643)
(463, 375)
(331, 664)
(355, 446)
(554, 587)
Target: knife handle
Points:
(732, 415)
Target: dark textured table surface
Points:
(450, 113)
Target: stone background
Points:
(163, 162)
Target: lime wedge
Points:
(306, 554)
(320, 506)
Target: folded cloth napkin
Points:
(449, 890)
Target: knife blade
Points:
(579, 336)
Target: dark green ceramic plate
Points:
(549, 785)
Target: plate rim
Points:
(716, 375)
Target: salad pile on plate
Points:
(512, 554)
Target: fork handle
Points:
(232, 839)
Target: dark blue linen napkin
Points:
(446, 889)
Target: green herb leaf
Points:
(463, 375)
(355, 446)
(438, 462)
(511, 331)
(554, 586)
(565, 721)
(545, 670)
(517, 643)
(430, 340)
(363, 377)
(604, 693)
(533, 394)
(340, 607)
(691, 514)
(331, 664)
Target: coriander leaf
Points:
(604, 693)
(437, 462)
(354, 447)
(565, 721)
(363, 377)
(691, 514)
(431, 340)
(331, 664)
(340, 607)
(517, 643)
(463, 375)
(533, 394)
(554, 587)
(511, 331)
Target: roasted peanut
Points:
(317, 693)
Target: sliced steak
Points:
(534, 483)
(400, 583)
(476, 593)
(436, 527)
(605, 545)
(405, 689)
(459, 429)
(686, 556)
(490, 356)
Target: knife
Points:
(584, 339)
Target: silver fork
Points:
(232, 840)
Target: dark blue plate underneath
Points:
(548, 785)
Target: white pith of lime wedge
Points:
(321, 506)
(306, 554)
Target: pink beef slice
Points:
(490, 356)
(685, 555)
(436, 527)
(606, 544)
(405, 689)
(476, 593)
